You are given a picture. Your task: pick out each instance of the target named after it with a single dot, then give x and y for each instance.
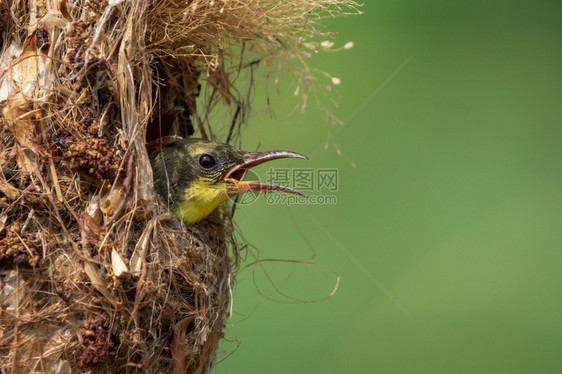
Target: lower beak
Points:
(233, 177)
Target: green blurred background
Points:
(447, 232)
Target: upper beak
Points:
(233, 176)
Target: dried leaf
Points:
(113, 200)
(14, 291)
(64, 10)
(3, 221)
(97, 281)
(8, 57)
(55, 18)
(118, 264)
(27, 78)
(7, 189)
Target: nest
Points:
(95, 274)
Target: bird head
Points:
(195, 176)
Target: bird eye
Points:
(207, 161)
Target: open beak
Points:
(233, 177)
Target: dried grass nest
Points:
(95, 274)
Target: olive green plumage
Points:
(194, 176)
